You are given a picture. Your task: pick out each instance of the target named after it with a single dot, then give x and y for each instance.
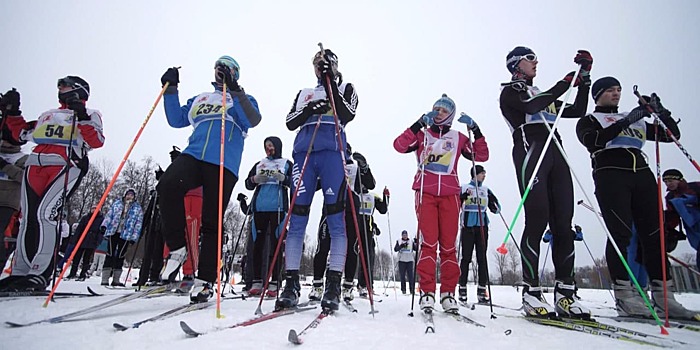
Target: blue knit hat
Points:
(515, 55)
(603, 84)
(446, 103)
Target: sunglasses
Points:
(529, 57)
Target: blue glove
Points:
(468, 121)
(547, 236)
(579, 233)
(428, 119)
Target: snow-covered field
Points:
(390, 328)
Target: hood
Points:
(130, 189)
(278, 146)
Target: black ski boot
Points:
(331, 296)
(289, 298)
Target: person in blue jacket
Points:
(325, 164)
(198, 165)
(271, 179)
(121, 227)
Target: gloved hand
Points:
(261, 179)
(324, 66)
(655, 103)
(172, 76)
(241, 197)
(279, 176)
(103, 229)
(428, 119)
(78, 107)
(223, 72)
(584, 59)
(3, 162)
(467, 120)
(159, 173)
(634, 116)
(547, 236)
(581, 80)
(9, 103)
(317, 107)
(361, 161)
(386, 192)
(404, 246)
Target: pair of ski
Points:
(176, 311)
(189, 331)
(473, 306)
(456, 315)
(688, 325)
(602, 329)
(107, 304)
(44, 293)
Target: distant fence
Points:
(684, 280)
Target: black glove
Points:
(324, 66)
(103, 229)
(9, 103)
(317, 107)
(241, 197)
(3, 162)
(634, 116)
(159, 173)
(174, 153)
(78, 107)
(581, 80)
(172, 76)
(227, 77)
(361, 161)
(655, 102)
(585, 59)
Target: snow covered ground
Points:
(391, 328)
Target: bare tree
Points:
(501, 261)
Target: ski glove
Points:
(324, 66)
(361, 161)
(78, 107)
(172, 76)
(260, 179)
(9, 103)
(635, 115)
(317, 107)
(655, 102)
(547, 236)
(241, 197)
(583, 79)
(428, 119)
(585, 59)
(225, 74)
(468, 121)
(279, 176)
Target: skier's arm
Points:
(176, 114)
(481, 148)
(249, 106)
(592, 135)
(493, 203)
(297, 116)
(397, 247)
(91, 130)
(381, 205)
(288, 175)
(672, 126)
(407, 142)
(249, 184)
(346, 104)
(578, 109)
(519, 100)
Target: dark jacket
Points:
(94, 235)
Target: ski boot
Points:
(362, 291)
(289, 298)
(348, 291)
(566, 305)
(534, 304)
(482, 295)
(448, 302)
(628, 301)
(427, 301)
(463, 294)
(173, 264)
(201, 292)
(331, 296)
(256, 289)
(675, 309)
(316, 291)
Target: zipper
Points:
(204, 149)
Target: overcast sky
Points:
(400, 55)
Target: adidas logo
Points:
(329, 192)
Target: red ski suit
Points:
(437, 197)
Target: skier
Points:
(471, 231)
(368, 229)
(53, 170)
(325, 164)
(360, 175)
(270, 178)
(626, 192)
(550, 200)
(90, 242)
(436, 185)
(122, 227)
(12, 161)
(405, 248)
(682, 203)
(198, 165)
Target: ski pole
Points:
(517, 246)
(481, 220)
(349, 190)
(668, 132)
(683, 264)
(391, 241)
(220, 222)
(546, 254)
(660, 206)
(502, 249)
(419, 237)
(105, 194)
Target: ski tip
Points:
(119, 327)
(429, 329)
(293, 337)
(188, 330)
(91, 291)
(14, 325)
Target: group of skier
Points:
(323, 160)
